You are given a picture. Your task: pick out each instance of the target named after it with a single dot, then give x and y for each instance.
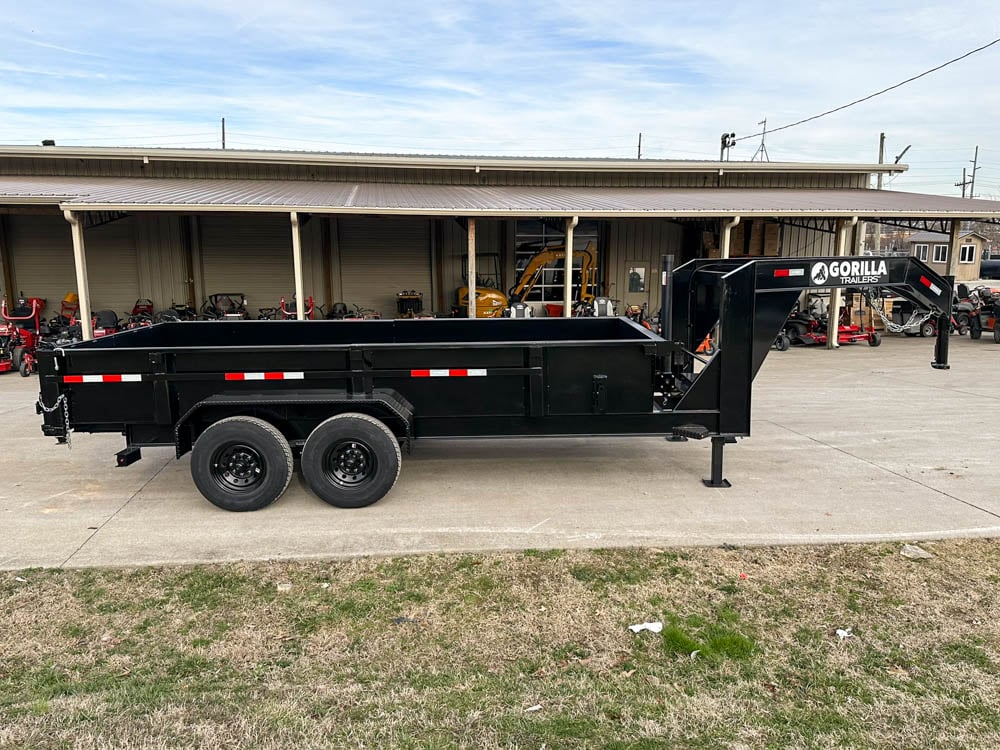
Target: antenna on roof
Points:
(223, 133)
(761, 149)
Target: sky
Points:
(560, 78)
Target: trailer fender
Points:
(384, 404)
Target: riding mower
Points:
(20, 334)
(984, 302)
(289, 313)
(141, 315)
(230, 306)
(811, 327)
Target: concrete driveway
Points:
(860, 444)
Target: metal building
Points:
(174, 225)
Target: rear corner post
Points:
(82, 284)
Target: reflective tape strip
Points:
(930, 285)
(448, 373)
(781, 273)
(265, 376)
(132, 378)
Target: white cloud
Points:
(568, 77)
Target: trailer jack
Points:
(717, 480)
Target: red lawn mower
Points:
(20, 334)
(811, 327)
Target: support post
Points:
(727, 233)
(82, 285)
(568, 275)
(6, 267)
(717, 480)
(954, 248)
(300, 299)
(470, 270)
(833, 310)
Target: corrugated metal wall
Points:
(160, 261)
(641, 241)
(802, 242)
(134, 168)
(379, 257)
(248, 254)
(42, 259)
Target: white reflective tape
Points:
(93, 378)
(295, 376)
(476, 373)
(935, 288)
(439, 373)
(253, 376)
(796, 272)
(131, 378)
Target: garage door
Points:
(252, 255)
(42, 255)
(382, 257)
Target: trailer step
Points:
(695, 431)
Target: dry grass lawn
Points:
(518, 650)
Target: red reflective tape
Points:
(72, 378)
(420, 373)
(112, 378)
(234, 376)
(780, 273)
(925, 281)
(274, 376)
(458, 373)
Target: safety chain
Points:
(64, 402)
(914, 321)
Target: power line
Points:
(877, 93)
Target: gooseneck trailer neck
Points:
(244, 396)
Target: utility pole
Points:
(963, 183)
(975, 166)
(881, 161)
(638, 154)
(223, 133)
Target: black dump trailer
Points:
(245, 396)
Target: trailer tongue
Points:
(345, 395)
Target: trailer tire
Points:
(241, 464)
(351, 460)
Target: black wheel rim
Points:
(350, 463)
(238, 467)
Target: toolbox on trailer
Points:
(346, 395)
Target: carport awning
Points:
(200, 195)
